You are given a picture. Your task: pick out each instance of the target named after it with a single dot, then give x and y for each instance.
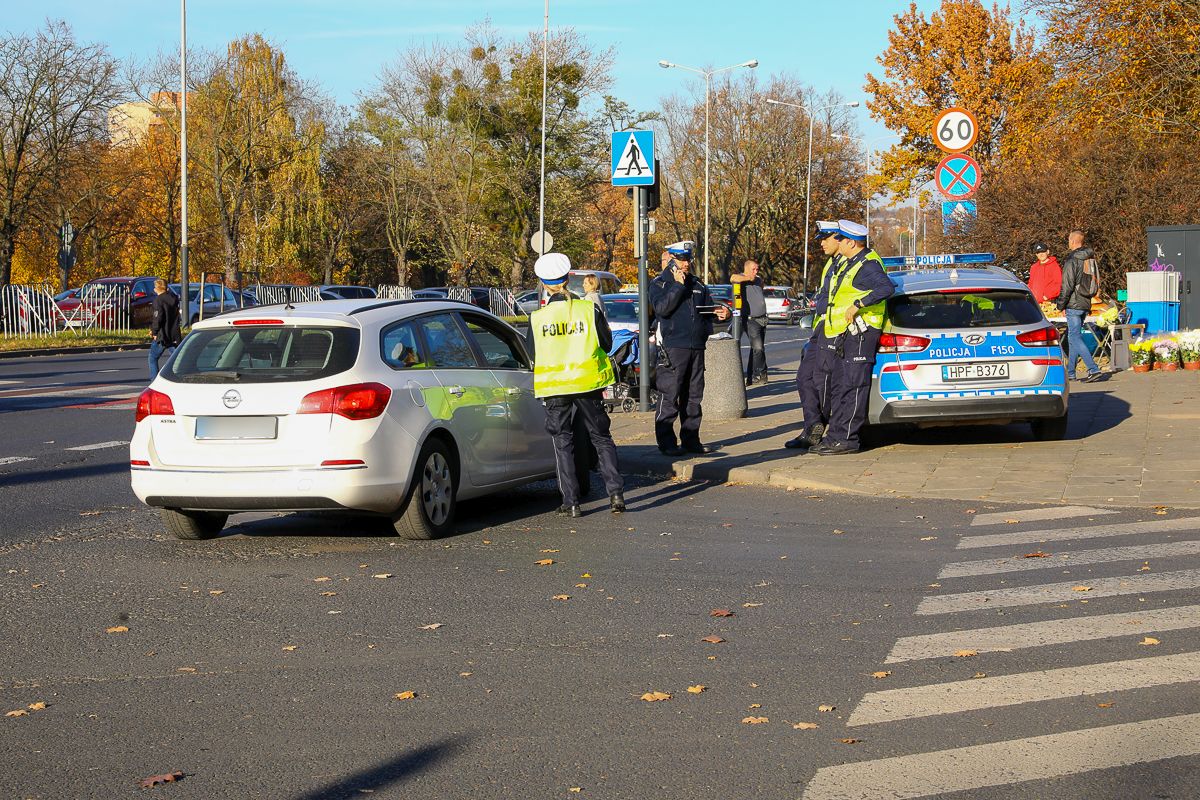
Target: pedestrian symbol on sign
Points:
(631, 161)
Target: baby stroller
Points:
(627, 367)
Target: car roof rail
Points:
(390, 303)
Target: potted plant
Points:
(1166, 353)
(1189, 349)
(1141, 355)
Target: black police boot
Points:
(569, 511)
(672, 450)
(833, 449)
(799, 443)
(616, 503)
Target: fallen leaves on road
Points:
(547, 551)
(806, 726)
(825, 708)
(216, 592)
(666, 636)
(712, 639)
(382, 575)
(321, 579)
(880, 674)
(751, 605)
(581, 586)
(1036, 554)
(1011, 521)
(965, 653)
(159, 780)
(697, 689)
(38, 706)
(328, 594)
(465, 674)
(1081, 588)
(755, 705)
(979, 675)
(721, 612)
(561, 597)
(575, 789)
(849, 741)
(433, 626)
(20, 712)
(586, 575)
(407, 695)
(838, 531)
(185, 669)
(1149, 640)
(117, 629)
(928, 538)
(1104, 705)
(654, 697)
(754, 720)
(289, 647)
(544, 562)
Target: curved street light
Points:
(808, 174)
(707, 73)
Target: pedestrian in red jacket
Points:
(1045, 275)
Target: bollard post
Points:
(737, 312)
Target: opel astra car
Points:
(965, 342)
(400, 408)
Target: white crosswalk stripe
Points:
(1021, 563)
(1058, 592)
(1038, 514)
(13, 460)
(1002, 763)
(98, 446)
(1068, 534)
(1027, 687)
(1037, 634)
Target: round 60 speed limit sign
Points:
(955, 130)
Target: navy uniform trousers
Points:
(851, 387)
(560, 423)
(814, 380)
(681, 384)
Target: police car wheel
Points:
(193, 525)
(1051, 429)
(428, 513)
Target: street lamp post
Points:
(867, 147)
(751, 64)
(808, 172)
(184, 278)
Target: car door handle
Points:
(457, 391)
(512, 391)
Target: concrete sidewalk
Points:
(1133, 440)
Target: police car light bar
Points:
(939, 260)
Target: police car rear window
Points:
(984, 308)
(267, 354)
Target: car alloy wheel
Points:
(436, 488)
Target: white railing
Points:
(28, 311)
(278, 294)
(503, 303)
(392, 291)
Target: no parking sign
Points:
(957, 176)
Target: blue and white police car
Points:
(966, 343)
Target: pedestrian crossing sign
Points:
(633, 158)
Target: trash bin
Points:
(1122, 336)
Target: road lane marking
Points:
(1059, 592)
(1092, 532)
(975, 694)
(13, 460)
(1020, 563)
(1038, 634)
(98, 446)
(1038, 514)
(1002, 763)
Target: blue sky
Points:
(343, 44)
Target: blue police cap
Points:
(852, 230)
(685, 249)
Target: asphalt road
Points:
(266, 663)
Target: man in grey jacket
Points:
(1076, 304)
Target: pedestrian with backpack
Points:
(1080, 283)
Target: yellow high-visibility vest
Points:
(570, 359)
(842, 296)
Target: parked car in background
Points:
(783, 305)
(69, 294)
(529, 301)
(218, 299)
(329, 292)
(392, 407)
(621, 311)
(111, 302)
(25, 310)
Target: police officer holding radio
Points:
(854, 321)
(684, 309)
(816, 363)
(569, 340)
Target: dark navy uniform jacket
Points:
(675, 307)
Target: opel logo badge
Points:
(974, 338)
(232, 398)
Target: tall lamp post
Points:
(184, 278)
(808, 173)
(867, 145)
(707, 73)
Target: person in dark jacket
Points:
(754, 320)
(813, 377)
(684, 309)
(164, 325)
(1076, 304)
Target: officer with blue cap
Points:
(684, 309)
(853, 319)
(816, 360)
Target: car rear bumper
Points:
(267, 490)
(973, 409)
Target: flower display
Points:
(1189, 346)
(1141, 352)
(1166, 352)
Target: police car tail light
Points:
(357, 401)
(902, 343)
(151, 403)
(1039, 336)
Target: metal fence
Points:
(392, 291)
(503, 303)
(277, 294)
(28, 311)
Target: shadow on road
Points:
(387, 773)
(63, 473)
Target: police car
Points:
(965, 343)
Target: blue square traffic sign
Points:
(633, 158)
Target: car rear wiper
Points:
(216, 376)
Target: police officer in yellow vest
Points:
(569, 340)
(813, 377)
(854, 321)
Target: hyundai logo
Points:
(970, 338)
(232, 398)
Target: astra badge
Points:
(232, 398)
(973, 338)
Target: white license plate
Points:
(236, 427)
(985, 371)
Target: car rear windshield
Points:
(775, 292)
(985, 308)
(621, 310)
(267, 354)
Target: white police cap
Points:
(684, 249)
(552, 267)
(826, 228)
(852, 230)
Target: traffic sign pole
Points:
(644, 360)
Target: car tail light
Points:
(1046, 362)
(1039, 336)
(343, 462)
(358, 401)
(786, 302)
(137, 462)
(902, 343)
(151, 403)
(258, 322)
(899, 367)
